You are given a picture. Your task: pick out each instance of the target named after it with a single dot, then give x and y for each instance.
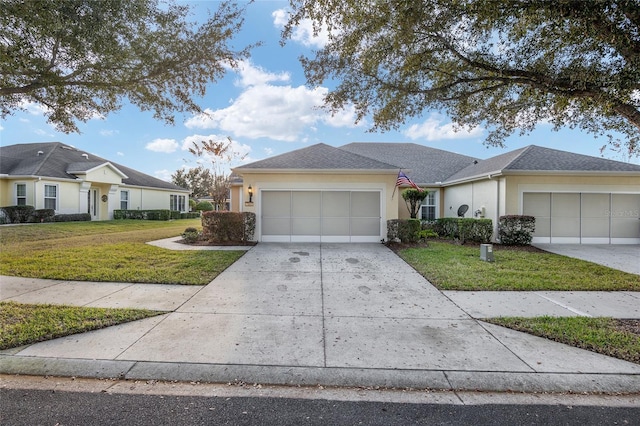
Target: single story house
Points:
(56, 176)
(347, 193)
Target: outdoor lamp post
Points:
(250, 194)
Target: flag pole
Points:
(396, 185)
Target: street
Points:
(55, 407)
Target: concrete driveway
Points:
(625, 257)
(334, 314)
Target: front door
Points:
(92, 202)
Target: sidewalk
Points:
(329, 314)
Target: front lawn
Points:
(22, 324)
(113, 251)
(607, 336)
(451, 266)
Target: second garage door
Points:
(584, 218)
(320, 216)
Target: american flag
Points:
(404, 180)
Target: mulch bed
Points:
(629, 325)
(396, 247)
(221, 243)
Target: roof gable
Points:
(89, 167)
(57, 160)
(317, 157)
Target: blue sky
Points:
(266, 109)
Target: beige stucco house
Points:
(58, 176)
(346, 194)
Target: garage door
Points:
(320, 216)
(584, 218)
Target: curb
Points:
(454, 380)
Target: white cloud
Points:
(303, 33)
(251, 75)
(163, 145)
(120, 154)
(105, 132)
(268, 151)
(163, 174)
(278, 112)
(433, 129)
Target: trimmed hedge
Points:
(43, 215)
(204, 206)
(72, 217)
(19, 214)
(464, 229)
(189, 215)
(406, 230)
(223, 226)
(142, 214)
(516, 230)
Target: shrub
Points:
(464, 229)
(43, 215)
(516, 230)
(427, 233)
(72, 217)
(175, 214)
(406, 230)
(142, 214)
(19, 214)
(228, 226)
(189, 215)
(191, 235)
(204, 206)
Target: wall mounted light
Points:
(250, 194)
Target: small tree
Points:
(220, 153)
(413, 199)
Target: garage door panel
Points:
(305, 226)
(305, 204)
(276, 204)
(335, 226)
(276, 226)
(625, 212)
(537, 204)
(336, 204)
(365, 204)
(365, 226)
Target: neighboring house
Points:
(346, 194)
(56, 176)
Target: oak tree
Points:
(507, 65)
(80, 59)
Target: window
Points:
(51, 197)
(124, 200)
(21, 194)
(177, 202)
(428, 209)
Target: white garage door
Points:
(322, 216)
(584, 218)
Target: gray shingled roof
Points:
(57, 158)
(539, 159)
(318, 157)
(424, 165)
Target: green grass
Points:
(450, 266)
(601, 335)
(22, 324)
(108, 251)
